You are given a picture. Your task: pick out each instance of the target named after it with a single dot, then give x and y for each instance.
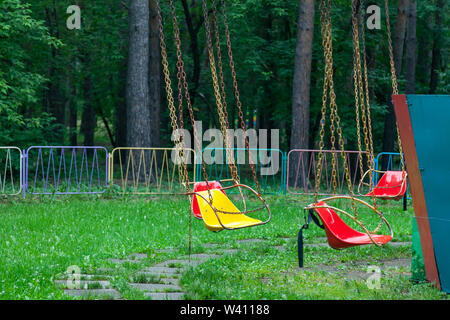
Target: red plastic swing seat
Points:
(392, 185)
(340, 235)
(202, 186)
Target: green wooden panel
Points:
(430, 120)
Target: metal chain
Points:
(325, 15)
(182, 75)
(361, 91)
(179, 144)
(237, 96)
(232, 165)
(172, 112)
(366, 81)
(370, 157)
(393, 77)
(217, 93)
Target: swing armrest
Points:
(215, 210)
(378, 212)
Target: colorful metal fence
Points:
(301, 171)
(269, 164)
(85, 170)
(66, 170)
(386, 161)
(11, 171)
(149, 171)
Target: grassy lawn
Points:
(41, 237)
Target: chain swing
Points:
(339, 234)
(392, 184)
(217, 210)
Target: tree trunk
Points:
(301, 82)
(193, 33)
(399, 37)
(155, 75)
(137, 95)
(73, 117)
(436, 53)
(121, 107)
(88, 119)
(411, 44)
(399, 40)
(54, 97)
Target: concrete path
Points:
(162, 280)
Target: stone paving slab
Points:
(85, 284)
(160, 270)
(64, 276)
(93, 293)
(132, 258)
(155, 287)
(169, 281)
(138, 256)
(211, 245)
(164, 277)
(103, 271)
(120, 261)
(165, 295)
(176, 262)
(400, 243)
(397, 263)
(250, 240)
(204, 256)
(166, 250)
(231, 251)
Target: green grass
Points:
(41, 237)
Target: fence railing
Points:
(301, 171)
(66, 170)
(11, 171)
(387, 161)
(269, 167)
(149, 171)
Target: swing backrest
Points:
(222, 208)
(339, 234)
(391, 185)
(202, 186)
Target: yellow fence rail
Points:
(11, 179)
(149, 171)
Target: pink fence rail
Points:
(301, 171)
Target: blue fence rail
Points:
(386, 161)
(270, 167)
(66, 170)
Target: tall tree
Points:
(411, 44)
(399, 36)
(399, 40)
(138, 100)
(437, 44)
(155, 75)
(54, 99)
(88, 118)
(302, 77)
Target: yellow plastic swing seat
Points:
(221, 202)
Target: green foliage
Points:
(44, 67)
(20, 84)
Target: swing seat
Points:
(202, 186)
(392, 185)
(340, 235)
(220, 201)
